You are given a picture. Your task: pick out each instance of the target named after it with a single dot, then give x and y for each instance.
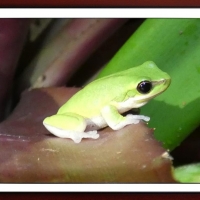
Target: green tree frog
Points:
(101, 102)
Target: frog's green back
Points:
(96, 94)
(101, 91)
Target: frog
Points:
(104, 101)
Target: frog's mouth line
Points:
(162, 81)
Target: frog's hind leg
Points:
(69, 125)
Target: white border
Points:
(99, 13)
(100, 187)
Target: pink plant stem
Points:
(64, 55)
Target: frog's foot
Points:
(76, 136)
(130, 119)
(135, 119)
(69, 125)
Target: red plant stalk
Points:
(12, 37)
(29, 153)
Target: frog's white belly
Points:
(95, 123)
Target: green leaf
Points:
(174, 45)
(188, 173)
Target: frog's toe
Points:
(136, 118)
(78, 136)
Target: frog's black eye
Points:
(144, 87)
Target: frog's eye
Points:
(144, 87)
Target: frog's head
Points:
(149, 82)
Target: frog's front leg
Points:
(69, 125)
(116, 121)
